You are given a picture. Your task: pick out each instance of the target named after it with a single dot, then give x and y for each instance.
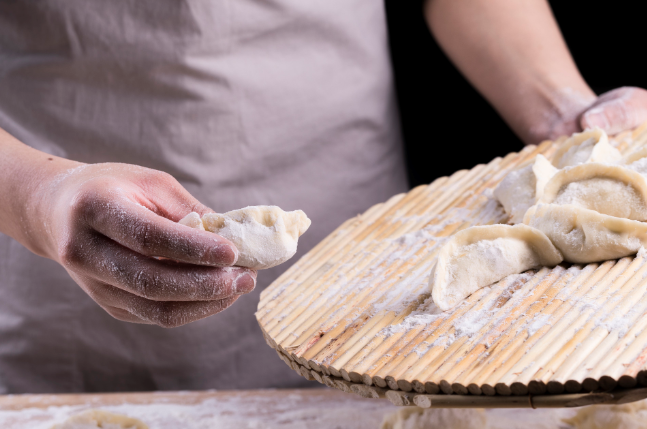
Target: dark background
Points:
(448, 126)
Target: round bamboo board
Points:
(351, 313)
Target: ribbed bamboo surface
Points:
(354, 312)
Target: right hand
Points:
(114, 228)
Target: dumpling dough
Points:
(446, 418)
(585, 236)
(608, 189)
(588, 146)
(637, 161)
(634, 156)
(193, 220)
(100, 419)
(481, 255)
(521, 188)
(265, 236)
(626, 416)
(516, 193)
(544, 171)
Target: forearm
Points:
(514, 54)
(24, 172)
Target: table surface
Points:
(267, 409)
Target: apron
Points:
(245, 102)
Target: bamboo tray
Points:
(351, 312)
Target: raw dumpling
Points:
(584, 236)
(481, 255)
(588, 146)
(637, 161)
(544, 171)
(608, 189)
(516, 193)
(265, 236)
(100, 419)
(193, 220)
(635, 155)
(520, 188)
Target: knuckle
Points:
(144, 233)
(145, 285)
(71, 254)
(87, 202)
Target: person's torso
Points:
(245, 102)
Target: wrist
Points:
(28, 179)
(559, 114)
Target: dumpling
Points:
(588, 146)
(192, 220)
(481, 255)
(584, 236)
(634, 156)
(637, 160)
(516, 193)
(520, 188)
(265, 236)
(608, 189)
(544, 171)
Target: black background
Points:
(448, 126)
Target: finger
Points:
(144, 232)
(165, 314)
(97, 257)
(618, 110)
(125, 316)
(167, 197)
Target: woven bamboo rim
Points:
(575, 334)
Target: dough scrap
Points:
(626, 416)
(265, 236)
(482, 255)
(584, 236)
(434, 418)
(100, 419)
(614, 190)
(588, 146)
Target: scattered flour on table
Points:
(627, 416)
(448, 418)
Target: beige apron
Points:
(245, 102)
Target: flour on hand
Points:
(265, 236)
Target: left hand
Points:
(618, 110)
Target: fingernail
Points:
(244, 283)
(596, 118)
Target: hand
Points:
(113, 227)
(618, 110)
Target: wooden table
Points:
(297, 408)
(266, 409)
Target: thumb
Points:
(171, 200)
(617, 111)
